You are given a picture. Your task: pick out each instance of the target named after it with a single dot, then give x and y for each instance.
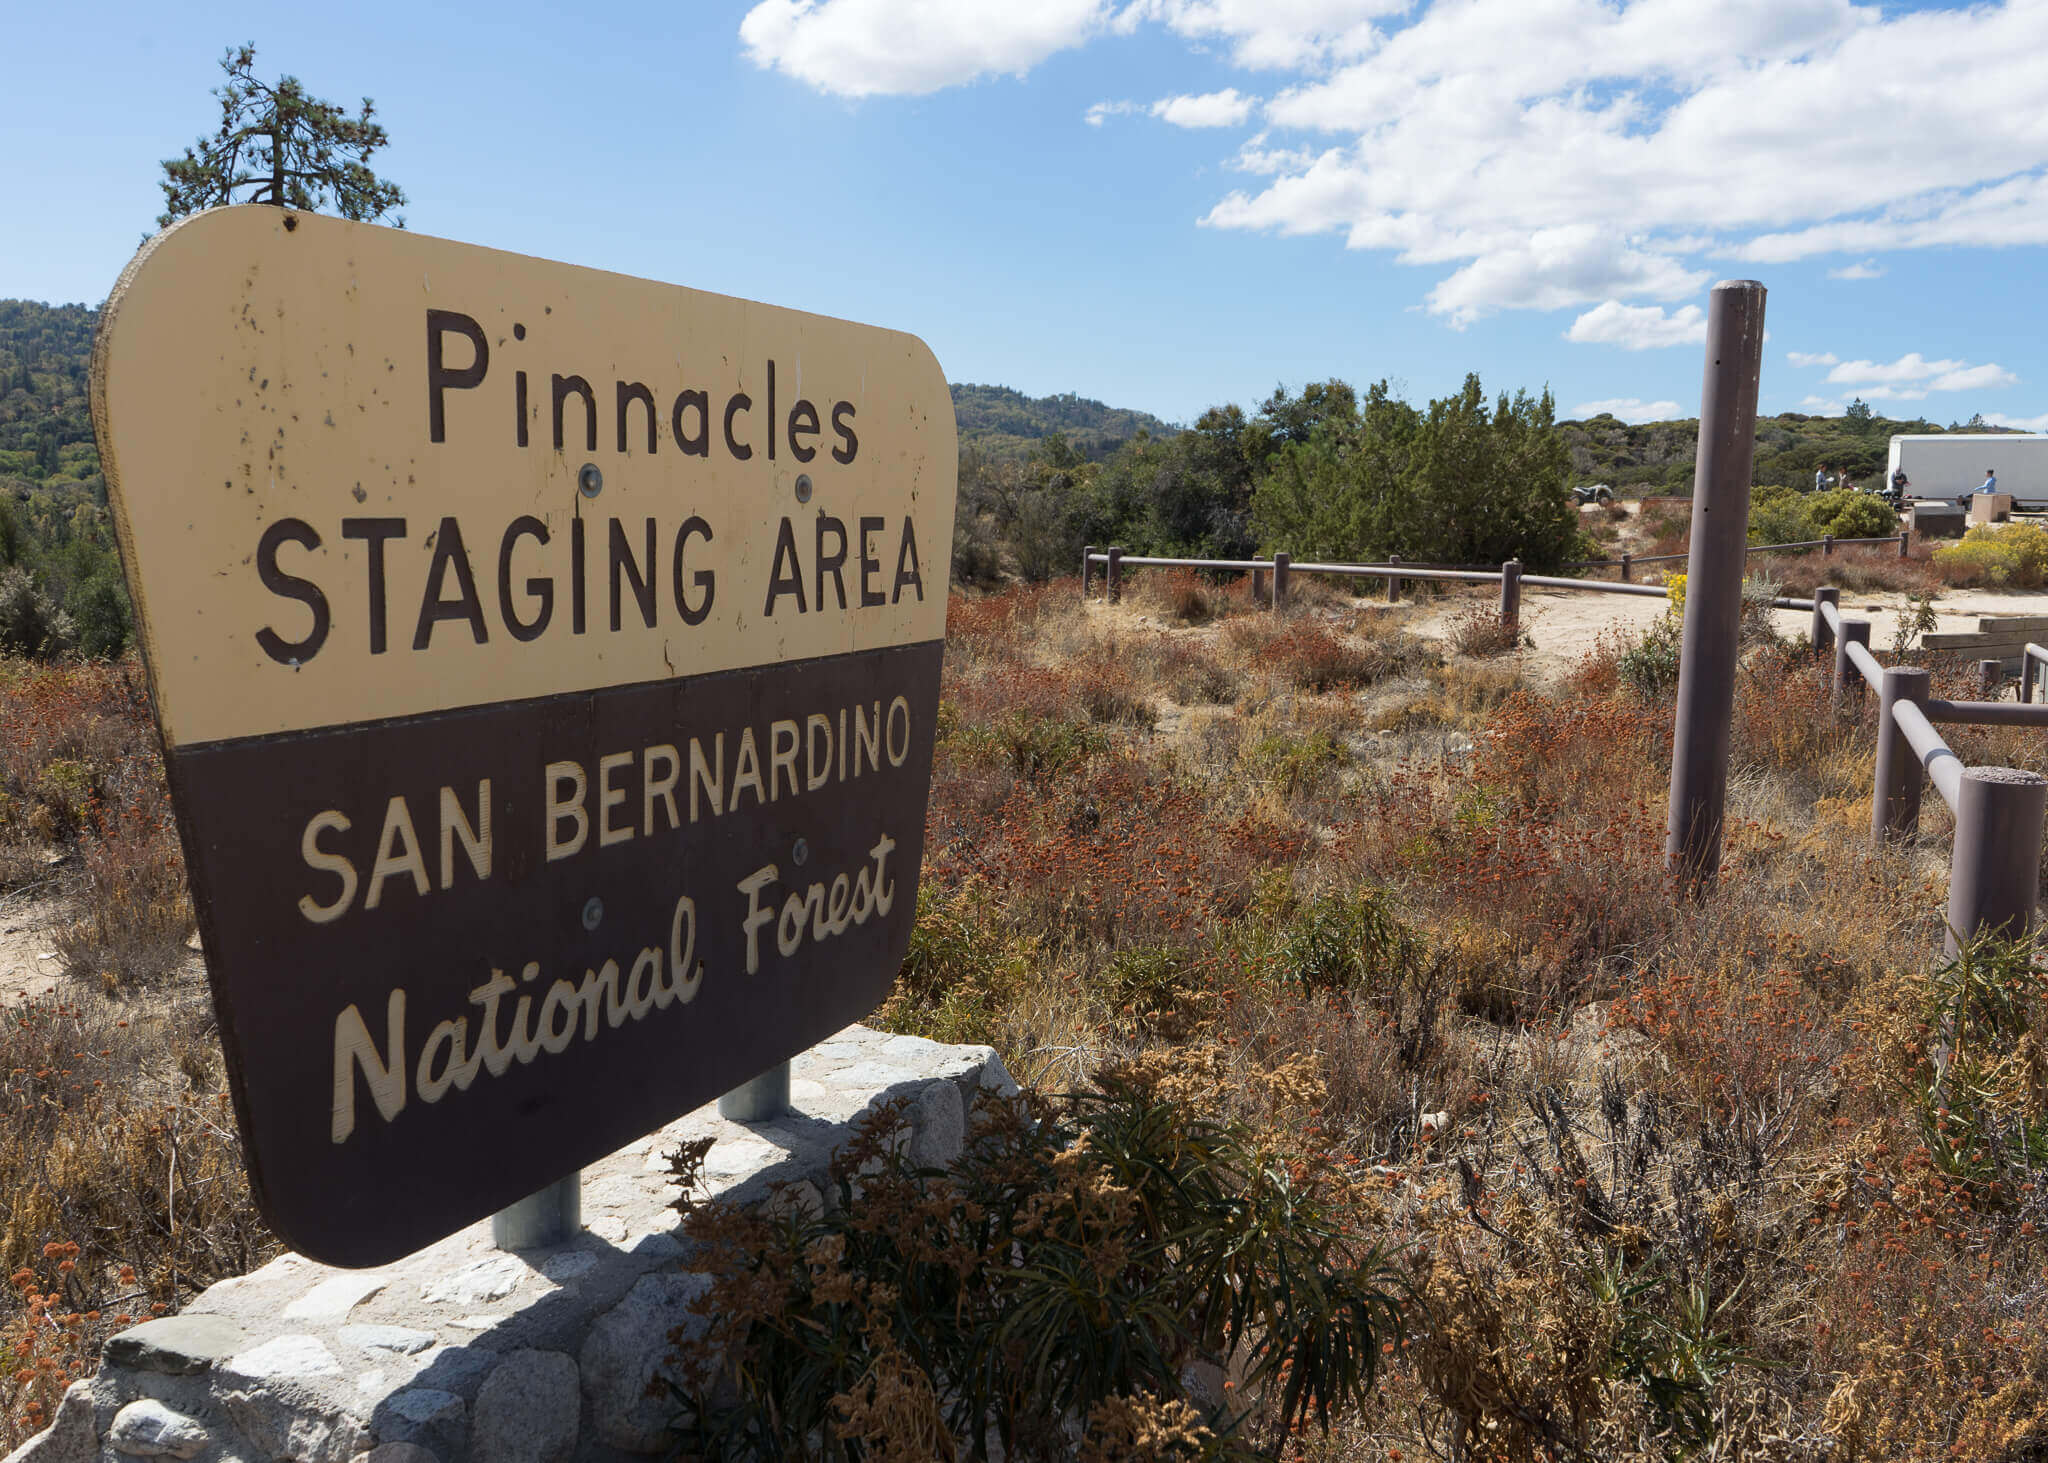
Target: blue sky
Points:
(1172, 203)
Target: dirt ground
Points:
(1564, 623)
(29, 966)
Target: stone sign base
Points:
(463, 1352)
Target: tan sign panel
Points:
(379, 474)
(548, 667)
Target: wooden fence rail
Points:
(1995, 863)
(1283, 568)
(1827, 545)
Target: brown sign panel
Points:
(547, 664)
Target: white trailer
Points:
(1953, 464)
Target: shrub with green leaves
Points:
(1347, 942)
(1979, 1088)
(1998, 555)
(1779, 515)
(1078, 1260)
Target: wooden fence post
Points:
(1087, 568)
(1827, 545)
(1713, 584)
(1393, 581)
(1281, 561)
(1990, 679)
(1905, 538)
(1627, 567)
(1823, 634)
(1895, 799)
(1511, 595)
(1848, 683)
(1113, 580)
(1994, 875)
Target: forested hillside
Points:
(1004, 424)
(45, 420)
(1658, 456)
(60, 580)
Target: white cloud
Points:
(2024, 424)
(1910, 367)
(1629, 409)
(1547, 154)
(1211, 109)
(858, 48)
(1886, 378)
(1822, 406)
(1270, 34)
(1108, 109)
(1804, 358)
(1638, 327)
(1974, 378)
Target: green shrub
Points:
(1776, 516)
(1850, 515)
(1293, 762)
(1347, 942)
(1075, 1261)
(1779, 515)
(2001, 555)
(1650, 665)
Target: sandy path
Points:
(1565, 623)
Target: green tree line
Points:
(60, 575)
(1319, 472)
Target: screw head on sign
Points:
(799, 852)
(589, 481)
(803, 487)
(593, 912)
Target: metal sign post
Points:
(547, 665)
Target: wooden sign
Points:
(546, 663)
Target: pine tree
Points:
(278, 145)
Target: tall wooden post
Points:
(1713, 583)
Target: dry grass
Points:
(1608, 1123)
(1672, 1178)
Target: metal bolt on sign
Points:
(590, 481)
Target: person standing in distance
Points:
(1820, 478)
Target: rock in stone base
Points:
(526, 1410)
(148, 1429)
(425, 1417)
(625, 1347)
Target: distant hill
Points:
(45, 415)
(1003, 423)
(1658, 456)
(46, 421)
